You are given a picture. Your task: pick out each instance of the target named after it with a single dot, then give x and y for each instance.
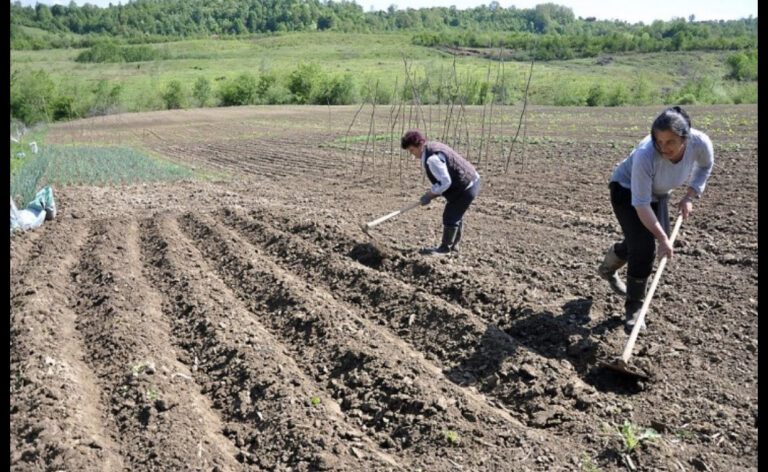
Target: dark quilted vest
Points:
(462, 171)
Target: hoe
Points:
(366, 226)
(622, 363)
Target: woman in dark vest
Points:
(452, 177)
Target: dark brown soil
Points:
(248, 323)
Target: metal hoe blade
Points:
(619, 365)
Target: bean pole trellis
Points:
(481, 139)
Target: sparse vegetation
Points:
(137, 369)
(630, 437)
(330, 68)
(452, 437)
(588, 464)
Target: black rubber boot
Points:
(607, 270)
(455, 245)
(636, 288)
(449, 236)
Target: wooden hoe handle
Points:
(649, 295)
(384, 218)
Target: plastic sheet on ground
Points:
(40, 209)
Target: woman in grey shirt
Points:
(672, 155)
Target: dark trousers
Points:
(458, 204)
(639, 245)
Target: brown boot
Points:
(607, 270)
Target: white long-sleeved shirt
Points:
(439, 169)
(649, 175)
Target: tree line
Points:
(551, 30)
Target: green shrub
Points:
(63, 108)
(102, 52)
(267, 80)
(743, 66)
(202, 91)
(618, 96)
(107, 51)
(338, 90)
(686, 99)
(569, 96)
(745, 94)
(139, 53)
(173, 96)
(596, 96)
(641, 91)
(277, 94)
(310, 84)
(303, 81)
(705, 90)
(241, 91)
(106, 98)
(32, 96)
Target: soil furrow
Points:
(25, 248)
(527, 268)
(55, 414)
(126, 336)
(470, 351)
(408, 410)
(262, 394)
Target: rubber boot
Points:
(636, 288)
(449, 236)
(607, 270)
(455, 245)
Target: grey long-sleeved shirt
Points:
(649, 175)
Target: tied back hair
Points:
(673, 119)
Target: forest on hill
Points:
(551, 30)
(70, 62)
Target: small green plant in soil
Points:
(685, 435)
(452, 437)
(137, 369)
(588, 464)
(19, 379)
(630, 437)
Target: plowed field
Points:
(248, 323)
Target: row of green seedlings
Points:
(454, 124)
(61, 166)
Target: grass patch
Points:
(650, 78)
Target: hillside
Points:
(344, 68)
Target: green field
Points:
(370, 58)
